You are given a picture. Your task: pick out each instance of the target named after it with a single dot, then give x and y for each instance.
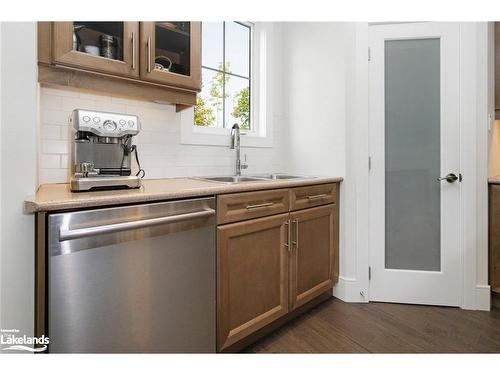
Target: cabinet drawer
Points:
(311, 196)
(244, 206)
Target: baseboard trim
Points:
(483, 297)
(348, 290)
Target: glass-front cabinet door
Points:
(171, 53)
(108, 47)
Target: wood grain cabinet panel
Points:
(312, 196)
(252, 278)
(244, 206)
(64, 54)
(494, 238)
(314, 255)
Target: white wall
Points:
(18, 173)
(317, 92)
(314, 96)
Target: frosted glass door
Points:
(412, 154)
(414, 132)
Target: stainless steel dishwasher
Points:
(133, 279)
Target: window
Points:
(240, 93)
(225, 98)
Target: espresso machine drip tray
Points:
(105, 183)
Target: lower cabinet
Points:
(269, 266)
(314, 254)
(494, 238)
(252, 279)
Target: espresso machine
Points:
(101, 151)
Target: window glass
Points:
(226, 81)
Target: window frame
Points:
(260, 134)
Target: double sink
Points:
(255, 178)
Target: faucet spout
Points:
(235, 145)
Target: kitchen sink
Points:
(233, 179)
(254, 178)
(279, 176)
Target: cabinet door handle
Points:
(260, 205)
(133, 50)
(314, 197)
(148, 52)
(296, 242)
(287, 244)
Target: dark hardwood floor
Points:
(338, 327)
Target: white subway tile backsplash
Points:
(54, 147)
(51, 102)
(64, 161)
(160, 150)
(50, 161)
(51, 132)
(55, 117)
(49, 176)
(69, 104)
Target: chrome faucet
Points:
(235, 145)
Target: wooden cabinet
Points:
(171, 53)
(252, 276)
(274, 264)
(314, 253)
(155, 61)
(312, 196)
(494, 237)
(79, 45)
(245, 206)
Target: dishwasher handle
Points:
(73, 234)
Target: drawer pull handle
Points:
(288, 242)
(316, 197)
(148, 52)
(260, 205)
(133, 51)
(296, 242)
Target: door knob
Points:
(450, 177)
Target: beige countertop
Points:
(495, 180)
(53, 197)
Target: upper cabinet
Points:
(156, 61)
(171, 53)
(110, 47)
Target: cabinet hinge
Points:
(369, 163)
(369, 54)
(369, 273)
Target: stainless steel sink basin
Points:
(279, 176)
(254, 178)
(233, 179)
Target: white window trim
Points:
(261, 114)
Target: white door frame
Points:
(475, 107)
